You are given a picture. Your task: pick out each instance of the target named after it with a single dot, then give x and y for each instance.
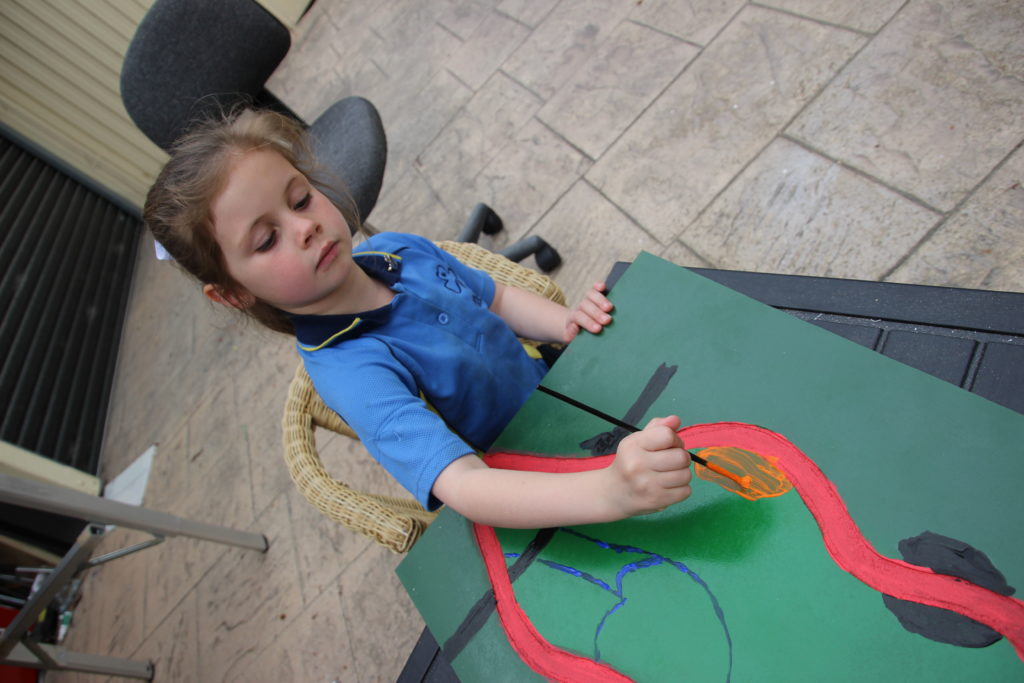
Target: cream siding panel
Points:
(60, 66)
(19, 462)
(71, 128)
(288, 12)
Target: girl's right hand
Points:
(651, 469)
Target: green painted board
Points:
(730, 588)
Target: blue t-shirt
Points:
(437, 340)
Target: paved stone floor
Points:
(876, 140)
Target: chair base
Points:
(484, 220)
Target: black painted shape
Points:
(426, 664)
(608, 442)
(605, 442)
(481, 610)
(949, 556)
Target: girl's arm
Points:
(650, 472)
(534, 317)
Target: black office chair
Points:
(190, 59)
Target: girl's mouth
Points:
(327, 255)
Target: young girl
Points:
(392, 326)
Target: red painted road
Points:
(843, 541)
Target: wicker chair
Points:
(394, 523)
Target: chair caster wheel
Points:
(547, 258)
(492, 223)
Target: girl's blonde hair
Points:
(177, 209)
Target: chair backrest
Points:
(394, 523)
(349, 140)
(190, 59)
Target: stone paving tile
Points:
(463, 18)
(408, 204)
(157, 341)
(494, 39)
(313, 648)
(413, 118)
(866, 15)
(323, 547)
(168, 476)
(473, 138)
(792, 211)
(678, 252)
(383, 625)
(330, 63)
(628, 71)
(595, 235)
(718, 115)
(319, 59)
(386, 16)
(173, 569)
(248, 599)
(177, 565)
(218, 452)
(691, 20)
(259, 414)
(213, 437)
(180, 484)
(527, 176)
(981, 245)
(174, 646)
(414, 58)
(361, 77)
(932, 104)
(347, 17)
(562, 43)
(529, 12)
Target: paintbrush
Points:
(742, 482)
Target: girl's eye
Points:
(304, 202)
(267, 243)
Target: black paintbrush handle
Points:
(606, 417)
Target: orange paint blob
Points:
(759, 476)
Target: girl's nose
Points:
(305, 229)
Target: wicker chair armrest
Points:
(395, 523)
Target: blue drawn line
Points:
(652, 559)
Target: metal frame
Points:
(16, 648)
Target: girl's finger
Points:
(599, 299)
(594, 312)
(670, 460)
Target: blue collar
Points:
(315, 332)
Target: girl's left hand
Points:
(591, 314)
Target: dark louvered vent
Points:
(66, 257)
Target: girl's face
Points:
(283, 241)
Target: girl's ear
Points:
(226, 298)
